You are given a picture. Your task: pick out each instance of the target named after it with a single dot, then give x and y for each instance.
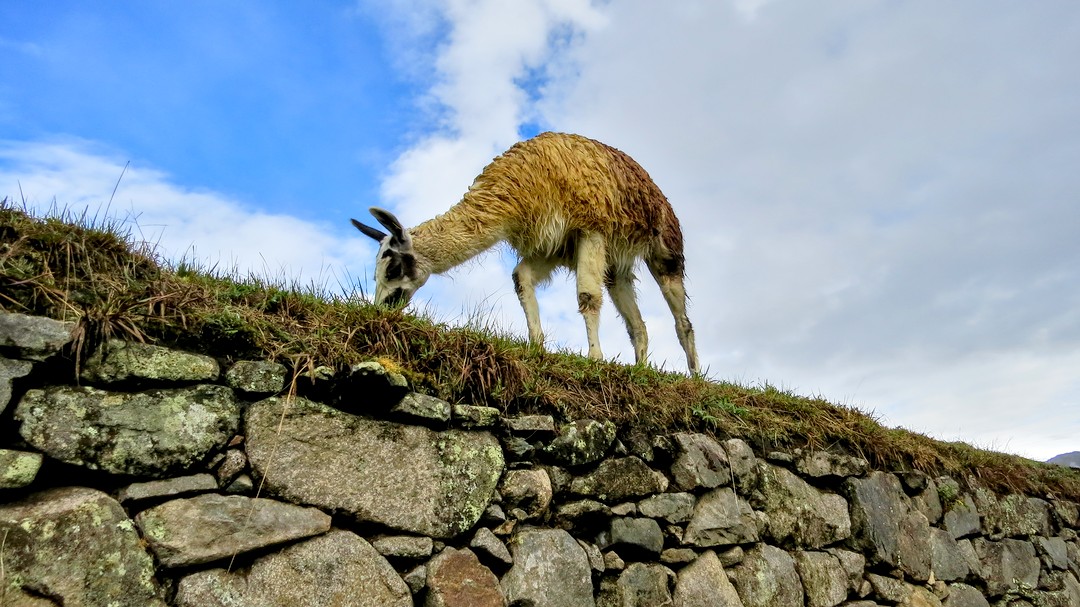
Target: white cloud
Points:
(207, 227)
(877, 198)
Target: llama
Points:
(558, 200)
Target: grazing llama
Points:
(560, 201)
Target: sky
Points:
(880, 199)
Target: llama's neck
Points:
(456, 236)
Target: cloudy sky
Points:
(881, 199)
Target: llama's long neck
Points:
(458, 235)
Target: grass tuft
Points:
(95, 273)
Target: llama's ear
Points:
(387, 219)
(378, 235)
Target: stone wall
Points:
(165, 478)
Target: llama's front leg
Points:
(591, 262)
(525, 281)
(621, 287)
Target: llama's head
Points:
(397, 275)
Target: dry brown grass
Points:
(94, 275)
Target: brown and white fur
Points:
(560, 201)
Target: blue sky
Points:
(880, 198)
(283, 105)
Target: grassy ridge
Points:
(65, 268)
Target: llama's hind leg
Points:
(671, 285)
(528, 274)
(621, 287)
(591, 263)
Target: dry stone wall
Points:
(160, 477)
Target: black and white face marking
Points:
(397, 275)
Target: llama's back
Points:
(554, 186)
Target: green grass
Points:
(81, 269)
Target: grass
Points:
(70, 268)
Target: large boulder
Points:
(639, 585)
(209, 528)
(1006, 565)
(721, 518)
(618, 480)
(767, 578)
(877, 508)
(700, 463)
(550, 570)
(704, 583)
(799, 515)
(946, 559)
(152, 433)
(455, 578)
(76, 546)
(823, 578)
(118, 361)
(581, 442)
(404, 477)
(34, 337)
(339, 569)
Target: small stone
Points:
(531, 426)
(626, 509)
(231, 466)
(822, 464)
(529, 490)
(613, 562)
(375, 372)
(416, 578)
(596, 558)
(640, 585)
(243, 485)
(261, 377)
(118, 360)
(11, 370)
(517, 449)
(582, 442)
(701, 463)
(703, 583)
(678, 556)
(210, 527)
(733, 556)
(582, 513)
(170, 487)
(550, 570)
(338, 569)
(493, 515)
(18, 468)
(617, 480)
(780, 457)
(404, 547)
(742, 461)
(636, 538)
(34, 337)
(422, 408)
(670, 507)
(490, 548)
(455, 578)
(475, 416)
(721, 519)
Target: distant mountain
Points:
(1066, 459)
